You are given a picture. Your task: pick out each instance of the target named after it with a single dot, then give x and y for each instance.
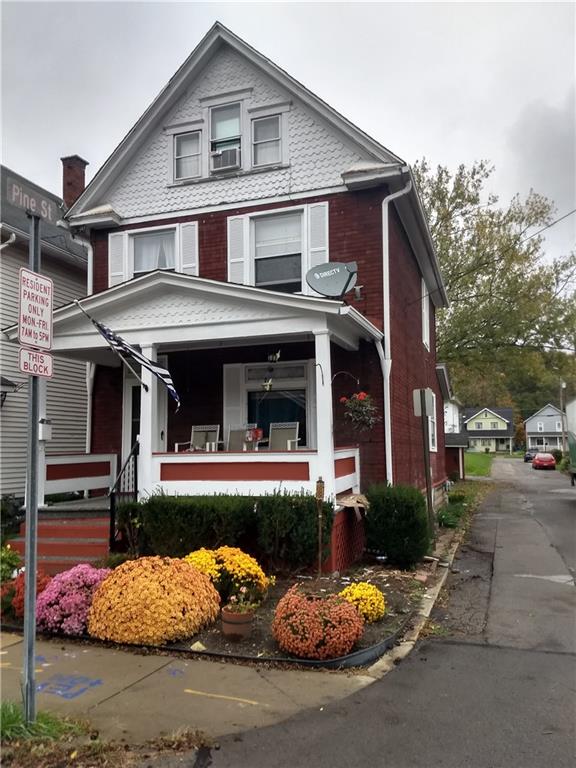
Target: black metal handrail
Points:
(132, 493)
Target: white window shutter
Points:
(117, 258)
(233, 395)
(189, 248)
(237, 249)
(317, 240)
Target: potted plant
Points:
(238, 614)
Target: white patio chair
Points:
(202, 436)
(283, 436)
(237, 437)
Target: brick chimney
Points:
(73, 181)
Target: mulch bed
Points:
(403, 593)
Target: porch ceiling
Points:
(177, 311)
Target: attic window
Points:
(225, 138)
(266, 147)
(187, 155)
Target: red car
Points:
(544, 461)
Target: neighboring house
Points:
(204, 222)
(64, 261)
(544, 429)
(455, 437)
(489, 430)
(571, 415)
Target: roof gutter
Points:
(385, 351)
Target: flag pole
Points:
(126, 363)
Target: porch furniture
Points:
(237, 437)
(283, 436)
(204, 437)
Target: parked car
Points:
(544, 461)
(530, 454)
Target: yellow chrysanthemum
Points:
(367, 598)
(205, 561)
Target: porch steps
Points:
(66, 540)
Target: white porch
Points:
(165, 314)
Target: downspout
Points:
(385, 353)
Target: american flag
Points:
(126, 353)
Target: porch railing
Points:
(67, 473)
(124, 488)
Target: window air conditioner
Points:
(225, 159)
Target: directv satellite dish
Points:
(333, 279)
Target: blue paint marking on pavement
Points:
(67, 686)
(175, 672)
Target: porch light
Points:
(6, 386)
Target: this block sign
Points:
(35, 310)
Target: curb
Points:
(401, 651)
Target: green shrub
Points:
(10, 516)
(564, 464)
(397, 523)
(173, 526)
(558, 455)
(287, 529)
(9, 562)
(129, 523)
(280, 530)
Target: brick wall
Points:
(413, 367)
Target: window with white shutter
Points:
(425, 315)
(274, 250)
(134, 253)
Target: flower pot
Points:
(236, 625)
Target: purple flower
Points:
(63, 606)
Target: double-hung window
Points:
(540, 426)
(278, 252)
(494, 425)
(479, 425)
(425, 315)
(154, 250)
(187, 155)
(558, 426)
(432, 433)
(266, 141)
(225, 137)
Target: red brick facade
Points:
(355, 227)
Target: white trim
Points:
(225, 98)
(487, 411)
(223, 206)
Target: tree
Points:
(503, 293)
(510, 330)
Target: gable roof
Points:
(502, 413)
(179, 83)
(549, 405)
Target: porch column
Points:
(324, 420)
(148, 402)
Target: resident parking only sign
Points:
(35, 310)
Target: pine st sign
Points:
(35, 323)
(35, 309)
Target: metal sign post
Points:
(423, 407)
(29, 681)
(319, 509)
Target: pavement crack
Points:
(130, 685)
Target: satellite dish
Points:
(333, 279)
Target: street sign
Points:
(428, 402)
(35, 363)
(35, 309)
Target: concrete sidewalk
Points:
(136, 697)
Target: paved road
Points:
(495, 688)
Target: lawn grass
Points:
(478, 464)
(46, 726)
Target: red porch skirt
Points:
(347, 541)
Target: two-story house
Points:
(234, 183)
(489, 430)
(544, 429)
(63, 397)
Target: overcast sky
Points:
(452, 81)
